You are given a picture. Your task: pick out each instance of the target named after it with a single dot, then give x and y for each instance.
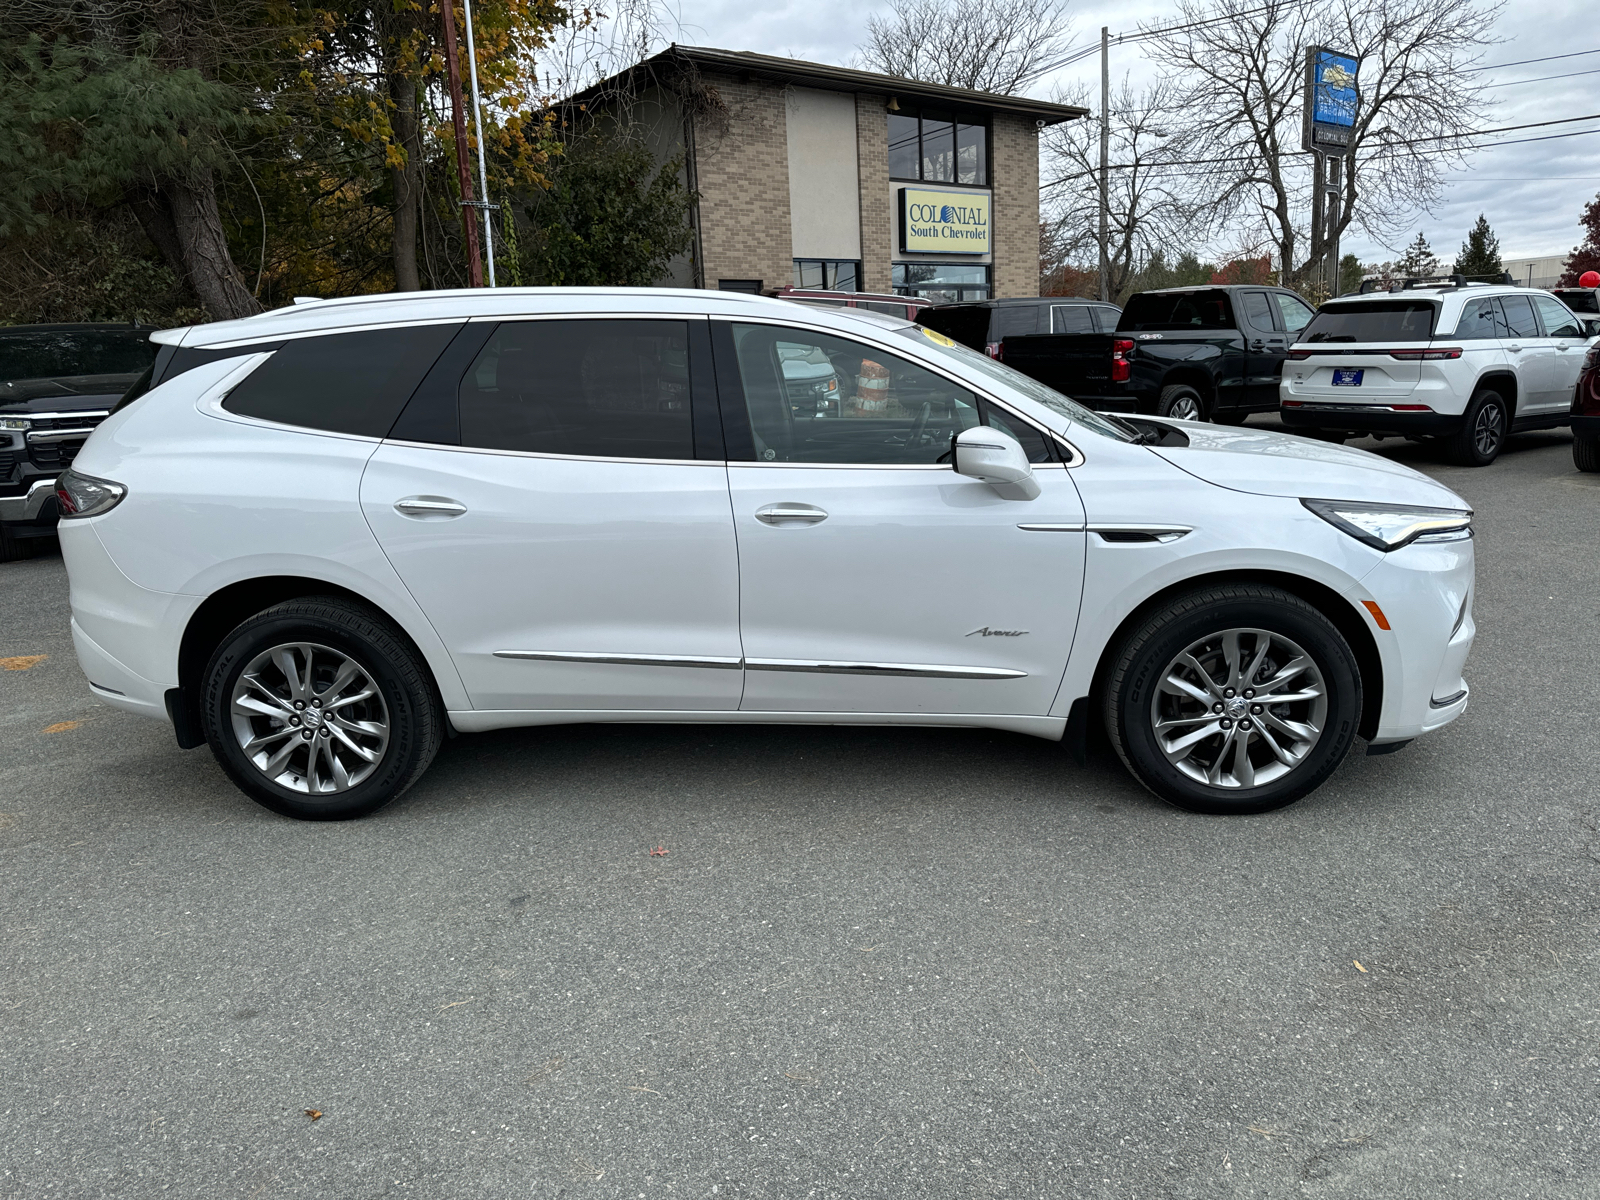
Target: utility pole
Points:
(1105, 162)
(469, 225)
(483, 171)
(1330, 223)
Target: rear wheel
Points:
(1482, 434)
(1182, 403)
(1233, 699)
(320, 709)
(1586, 451)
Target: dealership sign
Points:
(934, 221)
(1330, 100)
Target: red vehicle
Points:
(895, 306)
(1586, 413)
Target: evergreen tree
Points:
(1587, 256)
(1419, 260)
(1480, 254)
(1351, 273)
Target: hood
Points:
(64, 393)
(1278, 464)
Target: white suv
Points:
(332, 535)
(1468, 363)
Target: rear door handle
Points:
(790, 514)
(426, 507)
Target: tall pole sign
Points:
(1328, 129)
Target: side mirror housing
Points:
(996, 458)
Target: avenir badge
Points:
(987, 632)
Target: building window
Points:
(943, 283)
(753, 286)
(830, 274)
(936, 147)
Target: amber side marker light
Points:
(1377, 613)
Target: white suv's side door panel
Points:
(590, 561)
(919, 592)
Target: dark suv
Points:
(57, 382)
(984, 325)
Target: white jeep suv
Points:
(1468, 363)
(330, 536)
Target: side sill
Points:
(484, 720)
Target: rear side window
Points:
(1375, 321)
(1258, 310)
(600, 388)
(1071, 318)
(1014, 320)
(341, 382)
(1518, 316)
(1177, 310)
(1107, 317)
(1478, 321)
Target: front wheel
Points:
(320, 709)
(1586, 451)
(1233, 699)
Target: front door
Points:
(568, 547)
(1565, 345)
(872, 577)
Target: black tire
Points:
(13, 548)
(1233, 417)
(1482, 434)
(1336, 436)
(1133, 688)
(410, 706)
(1185, 399)
(1586, 451)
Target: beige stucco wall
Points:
(824, 187)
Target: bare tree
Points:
(1150, 207)
(1239, 67)
(996, 46)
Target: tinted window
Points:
(1107, 317)
(1558, 322)
(1580, 300)
(342, 382)
(1177, 310)
(938, 149)
(1009, 320)
(903, 151)
(1478, 321)
(1375, 321)
(1295, 312)
(1070, 318)
(972, 155)
(48, 355)
(1257, 310)
(610, 389)
(1517, 314)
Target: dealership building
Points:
(821, 176)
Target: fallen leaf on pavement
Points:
(659, 852)
(1359, 967)
(22, 662)
(313, 1113)
(62, 726)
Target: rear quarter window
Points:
(1374, 321)
(342, 382)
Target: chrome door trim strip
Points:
(627, 660)
(1070, 527)
(915, 670)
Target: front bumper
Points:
(37, 503)
(1367, 418)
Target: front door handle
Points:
(790, 514)
(426, 507)
(1514, 349)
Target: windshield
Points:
(1374, 321)
(1018, 382)
(1176, 310)
(53, 355)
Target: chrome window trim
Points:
(659, 462)
(791, 466)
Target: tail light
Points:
(1121, 368)
(994, 350)
(1591, 357)
(1300, 355)
(86, 496)
(1426, 355)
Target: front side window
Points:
(1558, 322)
(600, 388)
(821, 399)
(939, 147)
(342, 382)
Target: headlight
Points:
(1390, 526)
(85, 496)
(15, 423)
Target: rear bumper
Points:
(1589, 426)
(1367, 418)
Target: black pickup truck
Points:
(1196, 353)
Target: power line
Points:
(1524, 62)
(1542, 78)
(1078, 55)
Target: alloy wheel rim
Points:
(1239, 709)
(1186, 409)
(309, 718)
(1486, 430)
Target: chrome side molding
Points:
(625, 660)
(806, 666)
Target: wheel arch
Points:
(1352, 626)
(1201, 381)
(225, 608)
(1504, 382)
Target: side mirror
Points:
(996, 458)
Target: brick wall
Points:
(742, 164)
(872, 167)
(1015, 157)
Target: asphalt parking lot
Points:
(920, 963)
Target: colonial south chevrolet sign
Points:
(934, 221)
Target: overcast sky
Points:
(1532, 192)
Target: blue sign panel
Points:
(1335, 89)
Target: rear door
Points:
(555, 500)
